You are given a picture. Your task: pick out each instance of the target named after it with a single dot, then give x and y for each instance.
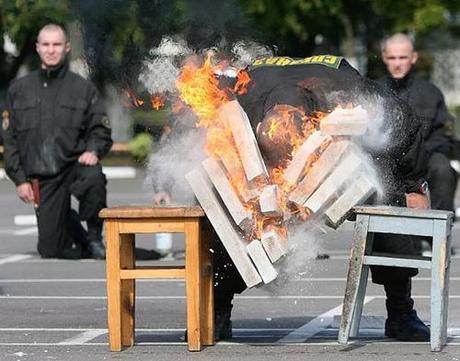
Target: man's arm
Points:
(98, 131)
(13, 165)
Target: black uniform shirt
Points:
(54, 116)
(427, 102)
(323, 82)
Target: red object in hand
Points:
(36, 190)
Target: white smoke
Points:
(160, 72)
(245, 52)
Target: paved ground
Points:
(56, 309)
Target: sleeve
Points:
(98, 130)
(13, 166)
(440, 139)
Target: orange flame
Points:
(243, 80)
(157, 102)
(131, 99)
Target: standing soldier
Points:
(55, 132)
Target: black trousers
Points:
(442, 179)
(58, 225)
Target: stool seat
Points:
(436, 224)
(122, 224)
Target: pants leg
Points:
(89, 187)
(442, 179)
(53, 215)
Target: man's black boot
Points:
(402, 322)
(223, 323)
(95, 246)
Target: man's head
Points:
(399, 55)
(52, 46)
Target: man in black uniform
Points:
(427, 102)
(55, 132)
(321, 83)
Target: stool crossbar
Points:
(383, 219)
(122, 224)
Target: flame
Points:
(131, 100)
(288, 128)
(243, 80)
(157, 102)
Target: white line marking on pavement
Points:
(119, 172)
(83, 337)
(14, 258)
(292, 297)
(26, 232)
(25, 220)
(103, 280)
(315, 326)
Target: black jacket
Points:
(322, 82)
(54, 116)
(427, 102)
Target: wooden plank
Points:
(319, 171)
(245, 140)
(193, 283)
(346, 169)
(268, 201)
(113, 285)
(151, 212)
(356, 193)
(401, 225)
(151, 225)
(274, 245)
(225, 228)
(396, 262)
(296, 166)
(151, 272)
(216, 173)
(128, 290)
(262, 262)
(345, 122)
(235, 168)
(404, 212)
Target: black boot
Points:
(223, 324)
(402, 322)
(95, 246)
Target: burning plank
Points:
(319, 171)
(234, 167)
(216, 173)
(345, 122)
(358, 192)
(268, 201)
(331, 186)
(295, 169)
(231, 239)
(260, 259)
(245, 140)
(275, 246)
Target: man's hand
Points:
(25, 193)
(417, 200)
(88, 158)
(161, 199)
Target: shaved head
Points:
(399, 55)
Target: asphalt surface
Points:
(56, 309)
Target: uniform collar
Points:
(56, 73)
(403, 83)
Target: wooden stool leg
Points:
(113, 284)
(438, 283)
(193, 281)
(127, 261)
(446, 282)
(354, 276)
(207, 307)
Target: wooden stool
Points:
(122, 223)
(431, 223)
